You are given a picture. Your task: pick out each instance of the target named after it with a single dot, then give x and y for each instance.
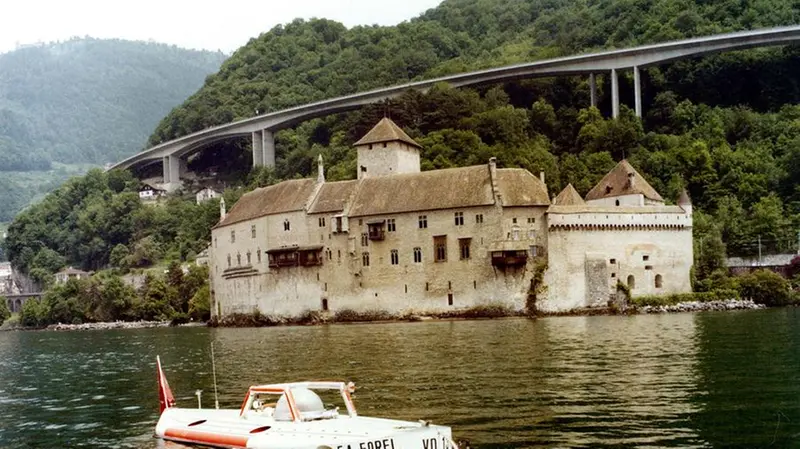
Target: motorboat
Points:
(299, 415)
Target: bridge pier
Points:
(173, 168)
(263, 148)
(614, 94)
(593, 89)
(637, 91)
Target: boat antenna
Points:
(214, 373)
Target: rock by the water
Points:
(697, 306)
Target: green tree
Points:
(200, 304)
(4, 312)
(766, 287)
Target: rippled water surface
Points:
(689, 380)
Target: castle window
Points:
(370, 147)
(531, 220)
(423, 221)
(475, 285)
(321, 222)
(364, 239)
(631, 282)
(258, 255)
(325, 304)
(395, 257)
(248, 257)
(479, 218)
(617, 202)
(449, 299)
(365, 259)
(390, 225)
(286, 225)
(233, 236)
(459, 216)
(376, 231)
(440, 248)
(463, 246)
(229, 260)
(659, 281)
(608, 190)
(417, 255)
(238, 259)
(384, 144)
(252, 231)
(648, 267)
(514, 220)
(645, 258)
(613, 275)
(531, 234)
(363, 169)
(612, 261)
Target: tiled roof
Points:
(333, 196)
(568, 197)
(386, 131)
(446, 189)
(287, 196)
(617, 183)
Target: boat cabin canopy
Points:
(297, 401)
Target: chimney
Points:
(493, 179)
(320, 170)
(222, 211)
(541, 176)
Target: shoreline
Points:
(487, 313)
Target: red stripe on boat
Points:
(208, 438)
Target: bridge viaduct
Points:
(262, 128)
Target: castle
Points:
(400, 240)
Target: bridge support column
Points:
(173, 168)
(637, 91)
(263, 148)
(269, 147)
(258, 149)
(614, 94)
(593, 89)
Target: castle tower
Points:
(387, 150)
(684, 202)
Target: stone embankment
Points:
(697, 306)
(106, 326)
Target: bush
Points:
(766, 287)
(4, 312)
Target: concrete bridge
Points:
(261, 128)
(15, 302)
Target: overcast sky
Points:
(221, 25)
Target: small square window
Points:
(648, 267)
(514, 220)
(612, 261)
(645, 258)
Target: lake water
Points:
(724, 379)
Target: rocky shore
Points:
(106, 326)
(697, 306)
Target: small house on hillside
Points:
(206, 194)
(70, 273)
(150, 192)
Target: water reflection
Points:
(644, 381)
(750, 379)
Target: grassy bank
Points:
(258, 319)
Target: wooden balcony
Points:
(514, 258)
(376, 230)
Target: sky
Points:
(199, 24)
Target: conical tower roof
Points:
(683, 199)
(623, 180)
(386, 131)
(568, 197)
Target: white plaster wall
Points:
(611, 218)
(669, 253)
(396, 157)
(624, 200)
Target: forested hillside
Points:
(85, 101)
(725, 127)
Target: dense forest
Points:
(724, 127)
(85, 101)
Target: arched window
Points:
(617, 202)
(659, 281)
(631, 282)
